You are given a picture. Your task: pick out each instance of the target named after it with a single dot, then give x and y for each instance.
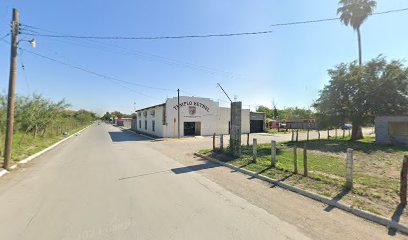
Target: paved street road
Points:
(110, 184)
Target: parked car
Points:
(346, 126)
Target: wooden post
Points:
(297, 135)
(308, 130)
(336, 132)
(222, 142)
(349, 169)
(247, 139)
(254, 147)
(305, 172)
(318, 134)
(214, 142)
(273, 153)
(328, 134)
(295, 159)
(293, 136)
(403, 183)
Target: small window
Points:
(145, 124)
(398, 128)
(153, 125)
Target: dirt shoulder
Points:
(315, 219)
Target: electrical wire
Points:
(197, 36)
(150, 38)
(112, 79)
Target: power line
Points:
(150, 38)
(332, 19)
(112, 79)
(32, 32)
(148, 56)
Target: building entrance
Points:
(192, 128)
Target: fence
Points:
(331, 166)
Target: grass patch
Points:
(25, 145)
(376, 170)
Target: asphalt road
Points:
(110, 184)
(107, 184)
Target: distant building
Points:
(274, 124)
(391, 130)
(257, 122)
(198, 117)
(301, 124)
(124, 122)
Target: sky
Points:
(288, 66)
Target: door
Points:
(189, 128)
(256, 126)
(197, 128)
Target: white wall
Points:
(206, 112)
(158, 118)
(225, 116)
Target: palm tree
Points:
(354, 13)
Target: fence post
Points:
(222, 142)
(214, 142)
(349, 169)
(308, 130)
(247, 139)
(336, 132)
(328, 134)
(254, 147)
(305, 172)
(273, 153)
(318, 134)
(295, 159)
(403, 183)
(297, 135)
(293, 136)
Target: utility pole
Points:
(178, 113)
(15, 28)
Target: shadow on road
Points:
(194, 168)
(126, 137)
(396, 218)
(143, 175)
(337, 198)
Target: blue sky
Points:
(288, 66)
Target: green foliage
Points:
(286, 113)
(355, 12)
(36, 115)
(357, 94)
(107, 116)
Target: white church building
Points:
(198, 117)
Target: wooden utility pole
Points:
(403, 183)
(15, 27)
(178, 113)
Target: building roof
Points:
(159, 105)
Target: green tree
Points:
(269, 113)
(354, 13)
(359, 93)
(107, 116)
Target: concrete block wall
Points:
(382, 131)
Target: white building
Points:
(198, 117)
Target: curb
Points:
(32, 157)
(390, 224)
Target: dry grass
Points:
(376, 171)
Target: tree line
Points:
(40, 116)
